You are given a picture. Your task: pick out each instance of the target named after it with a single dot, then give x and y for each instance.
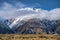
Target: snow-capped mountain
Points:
(30, 24)
(33, 25)
(4, 27)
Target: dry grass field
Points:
(29, 37)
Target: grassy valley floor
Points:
(29, 37)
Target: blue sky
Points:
(44, 4)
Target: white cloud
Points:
(53, 14)
(9, 11)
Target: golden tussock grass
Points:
(29, 37)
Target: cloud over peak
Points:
(9, 11)
(53, 14)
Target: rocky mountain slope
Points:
(37, 26)
(29, 26)
(4, 28)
